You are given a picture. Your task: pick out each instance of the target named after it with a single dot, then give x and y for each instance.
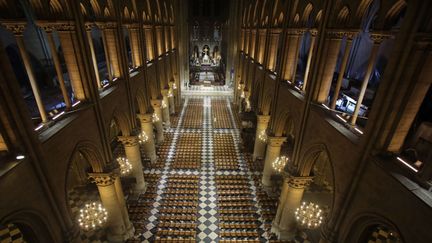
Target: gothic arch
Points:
(140, 98)
(122, 121)
(91, 153)
(343, 16)
(310, 156)
(306, 14)
(96, 8)
(364, 221)
(394, 13)
(30, 223)
(362, 8)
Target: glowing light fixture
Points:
(125, 166)
(92, 216)
(309, 215)
(20, 157)
(242, 95)
(155, 117)
(408, 165)
(164, 105)
(142, 137)
(263, 136)
(174, 86)
(279, 163)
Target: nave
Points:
(207, 189)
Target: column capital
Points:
(102, 179)
(313, 32)
(164, 92)
(298, 182)
(129, 141)
(156, 103)
(296, 31)
(378, 38)
(17, 28)
(275, 31)
(276, 141)
(61, 26)
(337, 34)
(144, 118)
(263, 118)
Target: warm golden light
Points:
(142, 137)
(92, 216)
(125, 165)
(309, 215)
(263, 136)
(155, 118)
(279, 163)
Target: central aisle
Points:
(203, 187)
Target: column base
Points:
(257, 157)
(119, 237)
(140, 189)
(283, 234)
(152, 156)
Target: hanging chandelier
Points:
(309, 215)
(142, 137)
(164, 105)
(174, 86)
(279, 163)
(170, 93)
(263, 136)
(242, 94)
(155, 117)
(92, 216)
(239, 87)
(125, 165)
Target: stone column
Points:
(261, 45)
(285, 224)
(273, 48)
(112, 48)
(117, 229)
(93, 55)
(159, 40)
(133, 154)
(18, 30)
(130, 230)
(149, 42)
(157, 107)
(291, 56)
(165, 108)
(259, 147)
(134, 44)
(106, 52)
(309, 59)
(171, 101)
(58, 69)
(147, 127)
(326, 71)
(341, 72)
(377, 39)
(274, 145)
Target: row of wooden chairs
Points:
(182, 211)
(225, 233)
(237, 226)
(174, 240)
(175, 225)
(176, 233)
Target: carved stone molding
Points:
(156, 103)
(313, 32)
(89, 26)
(378, 38)
(275, 31)
(298, 182)
(295, 32)
(129, 141)
(63, 26)
(276, 141)
(16, 28)
(102, 179)
(340, 34)
(263, 118)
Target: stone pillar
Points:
(133, 154)
(106, 52)
(147, 127)
(18, 30)
(159, 43)
(261, 45)
(134, 44)
(112, 48)
(58, 69)
(285, 224)
(341, 72)
(273, 48)
(130, 230)
(93, 55)
(309, 59)
(259, 147)
(171, 99)
(117, 228)
(165, 108)
(157, 107)
(273, 151)
(377, 39)
(326, 70)
(291, 56)
(149, 42)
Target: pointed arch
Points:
(83, 9)
(91, 153)
(96, 8)
(343, 16)
(56, 7)
(362, 8)
(306, 14)
(318, 18)
(394, 12)
(296, 19)
(107, 13)
(126, 13)
(122, 121)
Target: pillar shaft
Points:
(147, 127)
(134, 43)
(341, 73)
(32, 79)
(259, 147)
(111, 43)
(94, 60)
(274, 145)
(59, 71)
(370, 67)
(309, 59)
(285, 223)
(166, 108)
(273, 48)
(107, 57)
(291, 55)
(108, 194)
(157, 107)
(122, 203)
(332, 46)
(133, 154)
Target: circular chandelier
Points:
(242, 94)
(263, 136)
(164, 105)
(309, 215)
(239, 87)
(142, 137)
(279, 163)
(174, 86)
(155, 117)
(92, 216)
(125, 165)
(170, 93)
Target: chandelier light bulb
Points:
(279, 163)
(164, 105)
(155, 117)
(309, 215)
(174, 86)
(263, 136)
(242, 95)
(142, 137)
(125, 165)
(239, 87)
(170, 93)
(92, 216)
